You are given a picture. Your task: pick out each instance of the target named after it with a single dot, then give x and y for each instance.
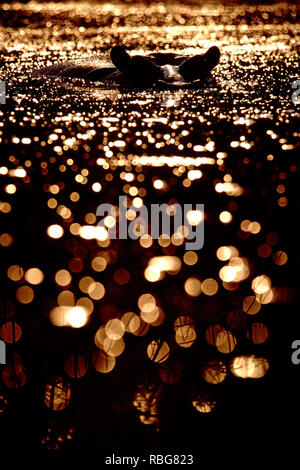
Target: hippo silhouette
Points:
(166, 70)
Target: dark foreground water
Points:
(144, 343)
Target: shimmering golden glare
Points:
(203, 406)
(194, 175)
(147, 303)
(236, 270)
(100, 337)
(10, 332)
(66, 298)
(150, 316)
(3, 170)
(55, 231)
(109, 221)
(25, 294)
(103, 362)
(113, 348)
(261, 284)
(86, 303)
(224, 253)
(15, 272)
(69, 315)
(265, 298)
(109, 339)
(99, 263)
(158, 351)
(252, 227)
(5, 207)
(146, 241)
(226, 341)
(231, 189)
(146, 419)
(63, 277)
(209, 286)
(131, 321)
(212, 333)
(158, 184)
(195, 217)
(177, 238)
(52, 203)
(190, 258)
(214, 372)
(115, 329)
(85, 283)
(90, 218)
(143, 329)
(89, 232)
(10, 188)
(34, 276)
(74, 197)
(192, 286)
(96, 187)
(158, 265)
(227, 273)
(137, 202)
(76, 317)
(153, 274)
(75, 229)
(251, 305)
(183, 320)
(280, 257)
(96, 290)
(225, 217)
(54, 189)
(146, 401)
(185, 335)
(64, 212)
(158, 317)
(58, 315)
(57, 394)
(164, 240)
(249, 367)
(6, 239)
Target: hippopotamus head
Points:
(166, 70)
(162, 68)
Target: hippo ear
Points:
(212, 57)
(120, 58)
(199, 66)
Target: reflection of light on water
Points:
(172, 100)
(249, 367)
(161, 161)
(96, 92)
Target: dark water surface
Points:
(205, 361)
